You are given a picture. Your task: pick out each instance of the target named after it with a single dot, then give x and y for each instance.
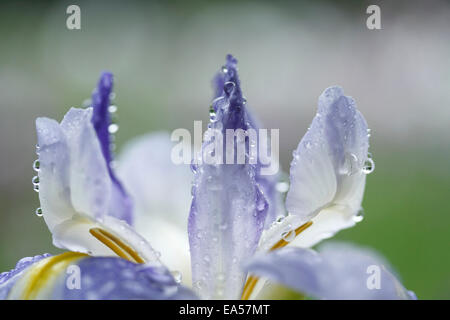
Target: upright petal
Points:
(77, 192)
(121, 205)
(328, 172)
(161, 196)
(267, 183)
(72, 275)
(228, 208)
(339, 271)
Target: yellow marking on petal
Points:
(116, 245)
(282, 243)
(249, 286)
(39, 274)
(252, 280)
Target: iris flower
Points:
(242, 241)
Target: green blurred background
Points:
(164, 54)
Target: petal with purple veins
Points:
(338, 271)
(228, 208)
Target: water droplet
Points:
(212, 113)
(308, 144)
(288, 235)
(177, 276)
(350, 165)
(39, 212)
(359, 216)
(35, 180)
(369, 166)
(36, 187)
(279, 219)
(282, 186)
(228, 87)
(224, 69)
(112, 96)
(36, 165)
(112, 109)
(113, 128)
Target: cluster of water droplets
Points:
(35, 179)
(352, 165)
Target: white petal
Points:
(326, 177)
(161, 194)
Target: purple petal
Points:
(339, 271)
(228, 208)
(115, 278)
(101, 120)
(267, 183)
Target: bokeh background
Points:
(164, 54)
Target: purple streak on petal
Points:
(228, 208)
(339, 271)
(267, 183)
(9, 278)
(114, 278)
(101, 119)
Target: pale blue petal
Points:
(338, 271)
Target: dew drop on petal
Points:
(224, 69)
(359, 216)
(112, 109)
(288, 235)
(369, 166)
(38, 212)
(228, 87)
(177, 276)
(113, 128)
(282, 186)
(36, 165)
(35, 180)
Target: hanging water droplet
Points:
(112, 109)
(177, 276)
(36, 187)
(113, 128)
(369, 166)
(38, 149)
(244, 101)
(35, 180)
(228, 87)
(36, 165)
(282, 186)
(359, 216)
(224, 69)
(38, 212)
(212, 113)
